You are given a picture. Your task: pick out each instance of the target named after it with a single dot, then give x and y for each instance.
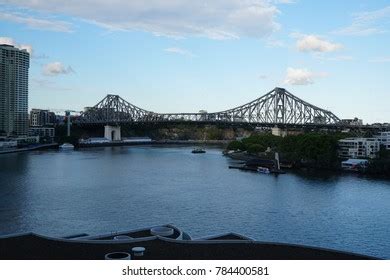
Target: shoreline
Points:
(240, 156)
(33, 148)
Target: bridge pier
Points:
(112, 133)
(277, 131)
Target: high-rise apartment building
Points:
(14, 64)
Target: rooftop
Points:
(34, 247)
(12, 47)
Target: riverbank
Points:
(245, 157)
(30, 148)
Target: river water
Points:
(100, 190)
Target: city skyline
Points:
(211, 56)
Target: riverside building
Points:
(14, 65)
(40, 117)
(359, 147)
(384, 138)
(42, 124)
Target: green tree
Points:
(236, 145)
(255, 148)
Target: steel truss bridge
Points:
(277, 107)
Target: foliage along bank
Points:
(309, 149)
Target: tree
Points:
(236, 145)
(255, 148)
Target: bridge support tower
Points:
(112, 133)
(277, 131)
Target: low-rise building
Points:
(359, 147)
(44, 132)
(384, 139)
(355, 121)
(94, 140)
(42, 124)
(40, 117)
(25, 140)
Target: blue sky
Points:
(184, 56)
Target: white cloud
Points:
(220, 19)
(36, 23)
(314, 43)
(28, 48)
(380, 59)
(56, 68)
(179, 51)
(283, 1)
(301, 76)
(262, 77)
(366, 23)
(7, 41)
(11, 41)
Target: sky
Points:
(185, 56)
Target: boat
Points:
(163, 242)
(67, 146)
(228, 152)
(264, 170)
(198, 151)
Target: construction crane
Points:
(67, 115)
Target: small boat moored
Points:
(67, 146)
(198, 151)
(264, 170)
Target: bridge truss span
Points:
(277, 107)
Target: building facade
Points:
(359, 148)
(14, 65)
(355, 121)
(42, 132)
(384, 139)
(40, 117)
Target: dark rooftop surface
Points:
(35, 247)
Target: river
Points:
(99, 190)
